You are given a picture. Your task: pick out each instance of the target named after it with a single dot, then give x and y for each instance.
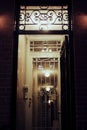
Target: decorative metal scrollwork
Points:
(36, 18)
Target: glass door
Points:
(46, 104)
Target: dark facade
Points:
(7, 90)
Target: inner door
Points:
(45, 94)
(39, 82)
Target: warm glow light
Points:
(47, 73)
(5, 24)
(47, 88)
(42, 50)
(81, 21)
(50, 50)
(49, 101)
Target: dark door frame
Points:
(71, 92)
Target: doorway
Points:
(39, 90)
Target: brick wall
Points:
(6, 55)
(80, 52)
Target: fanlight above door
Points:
(43, 18)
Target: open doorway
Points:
(39, 81)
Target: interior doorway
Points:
(39, 90)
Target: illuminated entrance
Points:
(39, 83)
(42, 72)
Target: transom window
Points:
(45, 46)
(43, 18)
